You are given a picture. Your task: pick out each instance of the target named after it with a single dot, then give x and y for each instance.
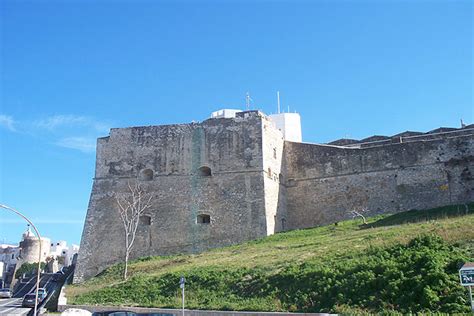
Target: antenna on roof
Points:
(462, 124)
(248, 99)
(278, 100)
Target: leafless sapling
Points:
(131, 206)
(356, 213)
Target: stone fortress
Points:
(12, 257)
(242, 175)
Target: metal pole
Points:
(39, 259)
(182, 291)
(472, 302)
(278, 100)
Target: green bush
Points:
(421, 276)
(28, 269)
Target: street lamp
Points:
(39, 259)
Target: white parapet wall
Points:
(225, 113)
(289, 124)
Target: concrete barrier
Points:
(178, 312)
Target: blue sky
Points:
(70, 70)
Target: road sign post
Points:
(181, 285)
(466, 276)
(470, 296)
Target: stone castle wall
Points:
(258, 184)
(325, 182)
(233, 195)
(30, 247)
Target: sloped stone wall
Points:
(233, 195)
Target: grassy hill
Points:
(406, 262)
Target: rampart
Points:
(326, 182)
(229, 180)
(212, 169)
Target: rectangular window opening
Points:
(203, 219)
(145, 220)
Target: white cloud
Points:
(43, 221)
(83, 144)
(55, 121)
(69, 120)
(7, 122)
(65, 130)
(63, 126)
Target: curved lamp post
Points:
(39, 259)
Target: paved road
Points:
(25, 288)
(12, 306)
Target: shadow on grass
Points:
(414, 216)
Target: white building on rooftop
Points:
(289, 124)
(61, 249)
(225, 113)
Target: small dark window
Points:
(52, 245)
(205, 171)
(203, 219)
(269, 172)
(145, 220)
(64, 252)
(13, 256)
(57, 244)
(283, 222)
(274, 153)
(146, 175)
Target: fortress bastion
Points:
(243, 175)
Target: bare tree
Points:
(132, 205)
(466, 208)
(360, 213)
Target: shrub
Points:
(28, 269)
(420, 276)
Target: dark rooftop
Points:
(403, 137)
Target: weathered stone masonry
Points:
(327, 181)
(175, 155)
(250, 182)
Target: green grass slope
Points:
(405, 262)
